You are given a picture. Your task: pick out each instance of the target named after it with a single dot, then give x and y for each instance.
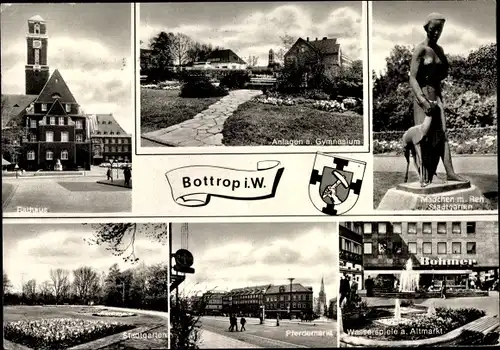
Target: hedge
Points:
(453, 134)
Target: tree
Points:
(60, 283)
(29, 290)
(7, 285)
(199, 52)
(45, 290)
(185, 321)
(253, 61)
(161, 57)
(12, 133)
(397, 71)
(181, 45)
(85, 283)
(120, 237)
(287, 42)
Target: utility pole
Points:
(290, 301)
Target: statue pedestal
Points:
(452, 195)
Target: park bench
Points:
(260, 81)
(485, 325)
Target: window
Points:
(427, 228)
(119, 148)
(456, 248)
(37, 28)
(456, 228)
(397, 248)
(49, 155)
(412, 228)
(44, 107)
(118, 133)
(31, 155)
(52, 120)
(441, 247)
(412, 248)
(79, 138)
(33, 123)
(64, 155)
(367, 228)
(441, 228)
(125, 148)
(471, 228)
(37, 57)
(106, 140)
(382, 227)
(113, 140)
(68, 107)
(125, 140)
(61, 120)
(368, 248)
(64, 136)
(79, 125)
(106, 149)
(32, 138)
(427, 248)
(471, 247)
(49, 136)
(111, 133)
(397, 228)
(113, 149)
(105, 133)
(119, 140)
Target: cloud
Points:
(257, 33)
(456, 39)
(100, 78)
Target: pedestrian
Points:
(443, 290)
(109, 175)
(231, 323)
(243, 322)
(344, 289)
(369, 286)
(235, 323)
(127, 174)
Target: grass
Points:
(163, 108)
(487, 184)
(31, 313)
(254, 124)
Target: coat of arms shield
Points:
(335, 183)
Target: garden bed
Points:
(105, 313)
(163, 108)
(255, 123)
(60, 333)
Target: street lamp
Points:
(290, 301)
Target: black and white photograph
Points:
(251, 74)
(250, 285)
(434, 105)
(85, 286)
(419, 284)
(67, 108)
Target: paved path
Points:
(212, 340)
(205, 128)
(463, 164)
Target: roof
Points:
(56, 85)
(324, 46)
(37, 18)
(225, 56)
(296, 287)
(105, 123)
(249, 290)
(13, 105)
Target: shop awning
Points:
(5, 162)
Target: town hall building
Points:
(46, 127)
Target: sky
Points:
(30, 251)
(253, 28)
(237, 255)
(90, 44)
(469, 24)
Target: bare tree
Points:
(29, 289)
(6, 283)
(253, 60)
(287, 42)
(60, 283)
(45, 290)
(181, 46)
(85, 283)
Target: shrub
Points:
(200, 86)
(235, 80)
(316, 95)
(471, 110)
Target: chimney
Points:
(324, 38)
(307, 39)
(316, 39)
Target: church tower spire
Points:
(36, 69)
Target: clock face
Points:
(37, 44)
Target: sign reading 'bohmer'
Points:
(193, 186)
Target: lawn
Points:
(61, 327)
(255, 123)
(163, 108)
(487, 184)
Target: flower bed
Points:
(486, 144)
(59, 333)
(105, 313)
(324, 105)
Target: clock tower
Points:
(36, 69)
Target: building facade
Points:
(281, 300)
(452, 251)
(351, 252)
(214, 302)
(52, 128)
(225, 59)
(110, 143)
(246, 301)
(322, 307)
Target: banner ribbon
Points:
(193, 186)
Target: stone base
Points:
(449, 196)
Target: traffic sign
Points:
(183, 258)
